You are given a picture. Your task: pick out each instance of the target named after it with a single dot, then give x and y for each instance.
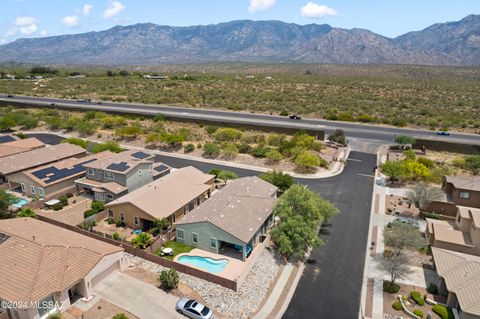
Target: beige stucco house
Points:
(460, 281)
(234, 220)
(44, 263)
(171, 196)
(20, 146)
(462, 235)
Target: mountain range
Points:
(451, 43)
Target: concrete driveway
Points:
(141, 299)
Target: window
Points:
(122, 216)
(109, 196)
(196, 313)
(194, 238)
(180, 234)
(32, 188)
(108, 175)
(213, 243)
(135, 220)
(22, 185)
(191, 205)
(198, 201)
(41, 192)
(110, 213)
(464, 195)
(90, 171)
(174, 218)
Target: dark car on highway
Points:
(294, 117)
(443, 133)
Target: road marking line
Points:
(366, 175)
(353, 159)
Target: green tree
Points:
(76, 141)
(404, 140)
(400, 237)
(6, 123)
(395, 170)
(300, 211)
(396, 266)
(55, 122)
(120, 315)
(228, 134)
(169, 279)
(338, 136)
(142, 240)
(215, 172)
(273, 156)
(162, 223)
(307, 162)
(111, 146)
(421, 195)
(26, 212)
(6, 200)
(230, 151)
(278, 178)
(472, 163)
(226, 175)
(211, 150)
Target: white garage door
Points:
(106, 273)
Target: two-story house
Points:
(463, 235)
(110, 178)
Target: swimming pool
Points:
(205, 263)
(21, 203)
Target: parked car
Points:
(443, 133)
(193, 309)
(294, 117)
(53, 104)
(10, 95)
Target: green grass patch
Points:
(178, 248)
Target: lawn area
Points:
(178, 248)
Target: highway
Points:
(363, 132)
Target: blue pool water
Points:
(21, 203)
(205, 263)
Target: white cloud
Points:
(114, 8)
(3, 41)
(87, 8)
(29, 29)
(24, 21)
(316, 11)
(11, 32)
(44, 32)
(258, 5)
(70, 21)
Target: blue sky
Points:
(35, 18)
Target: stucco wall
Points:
(473, 201)
(134, 180)
(103, 264)
(54, 189)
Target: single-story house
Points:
(236, 217)
(20, 146)
(44, 263)
(17, 163)
(462, 235)
(171, 196)
(54, 179)
(460, 281)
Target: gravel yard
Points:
(228, 303)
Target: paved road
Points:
(354, 130)
(331, 286)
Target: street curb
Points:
(337, 169)
(291, 291)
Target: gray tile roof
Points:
(468, 183)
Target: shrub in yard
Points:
(273, 156)
(397, 305)
(260, 151)
(120, 315)
(116, 236)
(69, 195)
(98, 206)
(55, 315)
(390, 287)
(64, 200)
(110, 220)
(442, 311)
(211, 150)
(142, 240)
(168, 279)
(89, 213)
(188, 148)
(432, 288)
(120, 223)
(57, 206)
(26, 212)
(418, 313)
(426, 161)
(417, 297)
(244, 148)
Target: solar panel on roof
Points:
(140, 155)
(3, 237)
(119, 167)
(161, 168)
(55, 174)
(6, 138)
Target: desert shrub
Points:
(430, 215)
(390, 287)
(64, 200)
(116, 236)
(98, 206)
(417, 297)
(397, 305)
(365, 118)
(188, 148)
(426, 161)
(159, 117)
(275, 139)
(211, 150)
(142, 240)
(111, 146)
(120, 315)
(283, 113)
(418, 313)
(244, 148)
(26, 212)
(110, 220)
(211, 129)
(120, 223)
(409, 154)
(230, 151)
(432, 288)
(57, 206)
(273, 156)
(260, 151)
(338, 136)
(169, 279)
(88, 213)
(227, 134)
(307, 162)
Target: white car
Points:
(193, 309)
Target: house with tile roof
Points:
(460, 281)
(20, 146)
(234, 219)
(44, 263)
(111, 178)
(172, 197)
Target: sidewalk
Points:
(335, 170)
